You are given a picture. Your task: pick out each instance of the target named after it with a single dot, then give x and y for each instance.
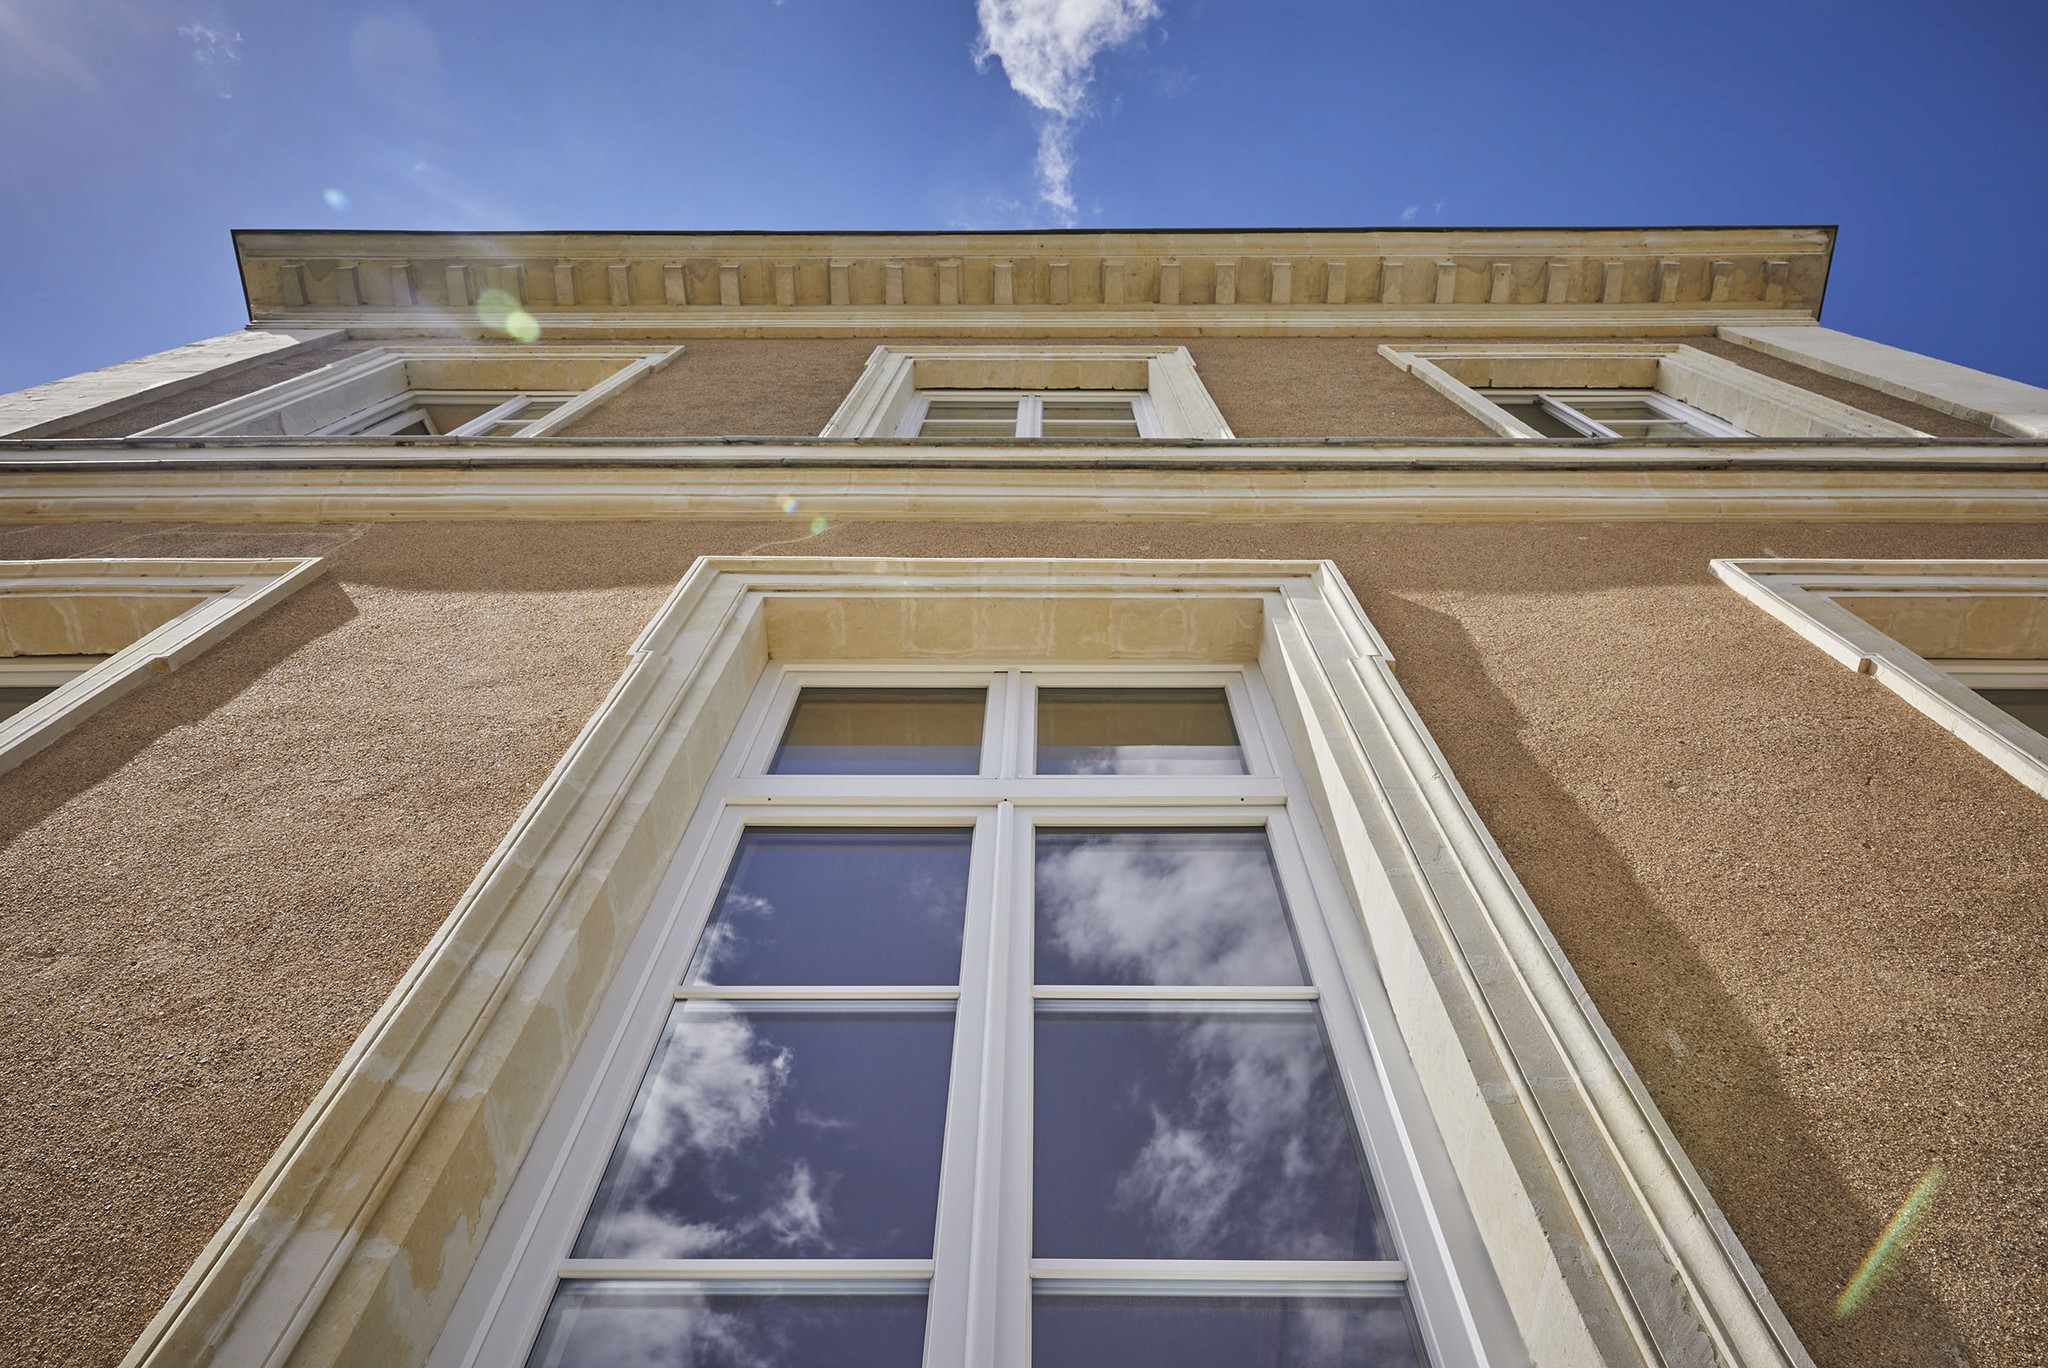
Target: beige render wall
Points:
(1306, 387)
(1288, 387)
(1813, 919)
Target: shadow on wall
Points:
(1716, 1082)
(110, 739)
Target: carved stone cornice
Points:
(1049, 283)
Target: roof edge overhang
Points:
(1254, 277)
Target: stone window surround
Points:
(72, 608)
(354, 1241)
(893, 378)
(1975, 620)
(304, 404)
(1758, 404)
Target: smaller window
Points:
(1629, 414)
(1062, 415)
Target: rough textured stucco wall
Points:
(1285, 387)
(216, 391)
(1813, 919)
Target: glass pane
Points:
(648, 1325)
(14, 698)
(1538, 417)
(1613, 410)
(1194, 1135)
(780, 1133)
(1094, 410)
(1137, 731)
(1083, 1331)
(1662, 429)
(883, 731)
(972, 408)
(2028, 705)
(839, 906)
(1165, 907)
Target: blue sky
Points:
(135, 133)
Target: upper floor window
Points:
(1622, 413)
(448, 413)
(1058, 414)
(438, 391)
(1650, 391)
(1040, 391)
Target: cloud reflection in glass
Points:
(780, 1133)
(640, 1325)
(1195, 1135)
(1161, 907)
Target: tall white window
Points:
(996, 1017)
(1103, 414)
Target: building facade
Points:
(1286, 797)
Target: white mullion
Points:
(1146, 414)
(1030, 415)
(909, 1271)
(484, 421)
(908, 995)
(1215, 1271)
(1565, 413)
(969, 1128)
(1003, 1289)
(1021, 700)
(1223, 997)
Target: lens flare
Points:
(500, 312)
(789, 504)
(337, 200)
(817, 525)
(1884, 1255)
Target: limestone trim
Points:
(1424, 487)
(79, 399)
(145, 617)
(893, 377)
(1778, 272)
(354, 1242)
(305, 404)
(1964, 622)
(1758, 404)
(992, 324)
(2007, 406)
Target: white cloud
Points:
(1048, 50)
(1408, 214)
(212, 47)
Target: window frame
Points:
(230, 593)
(1558, 403)
(897, 379)
(983, 1229)
(1031, 410)
(1807, 596)
(1757, 406)
(363, 394)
